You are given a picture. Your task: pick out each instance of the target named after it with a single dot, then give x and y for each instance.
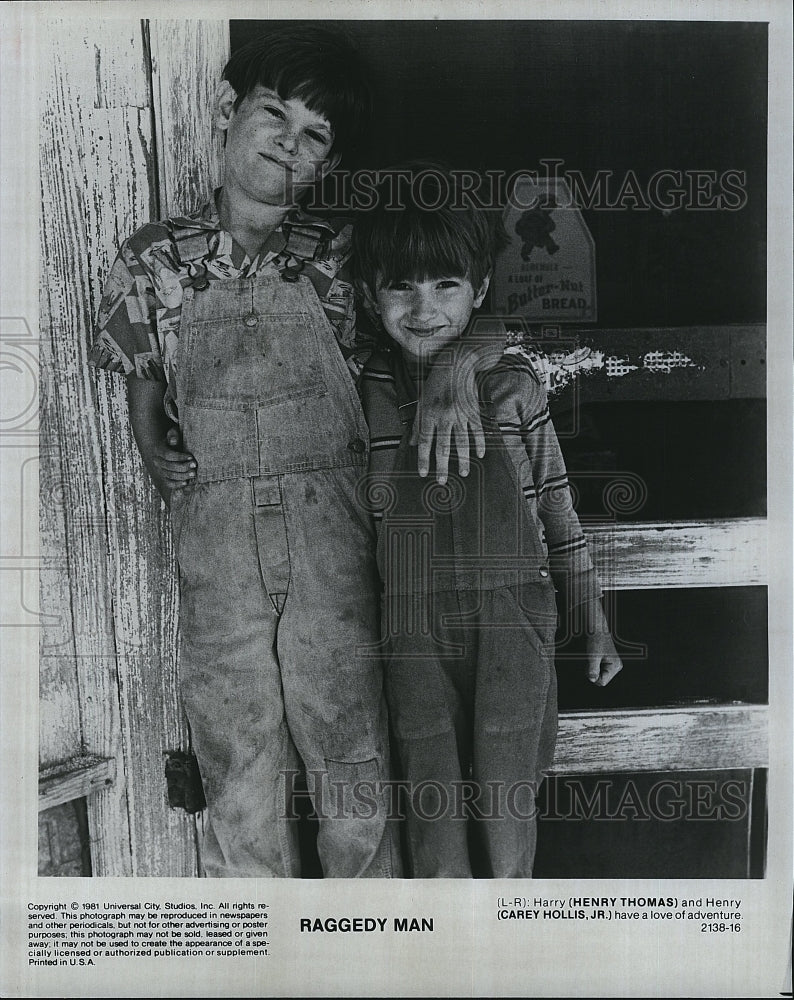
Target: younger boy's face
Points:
(274, 146)
(424, 316)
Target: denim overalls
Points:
(278, 582)
(469, 623)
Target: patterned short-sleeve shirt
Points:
(138, 323)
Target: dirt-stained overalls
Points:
(278, 583)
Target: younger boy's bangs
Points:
(423, 246)
(421, 228)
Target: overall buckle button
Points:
(199, 281)
(292, 271)
(543, 571)
(357, 445)
(251, 319)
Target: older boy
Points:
(235, 323)
(470, 608)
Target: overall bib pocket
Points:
(259, 360)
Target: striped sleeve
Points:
(379, 402)
(522, 411)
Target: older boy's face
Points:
(424, 316)
(274, 147)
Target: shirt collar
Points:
(209, 219)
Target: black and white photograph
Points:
(297, 301)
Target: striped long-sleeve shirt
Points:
(521, 409)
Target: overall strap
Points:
(404, 386)
(306, 240)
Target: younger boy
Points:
(469, 606)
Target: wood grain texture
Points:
(76, 778)
(184, 78)
(60, 728)
(694, 738)
(121, 196)
(122, 184)
(67, 91)
(645, 555)
(99, 177)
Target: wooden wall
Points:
(122, 103)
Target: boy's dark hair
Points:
(319, 65)
(423, 226)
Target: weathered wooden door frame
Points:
(126, 137)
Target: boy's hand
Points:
(603, 662)
(448, 406)
(157, 437)
(176, 468)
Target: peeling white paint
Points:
(666, 361)
(616, 367)
(559, 368)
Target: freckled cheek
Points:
(391, 316)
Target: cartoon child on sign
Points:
(535, 227)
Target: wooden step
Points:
(681, 738)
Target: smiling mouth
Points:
(279, 163)
(429, 331)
